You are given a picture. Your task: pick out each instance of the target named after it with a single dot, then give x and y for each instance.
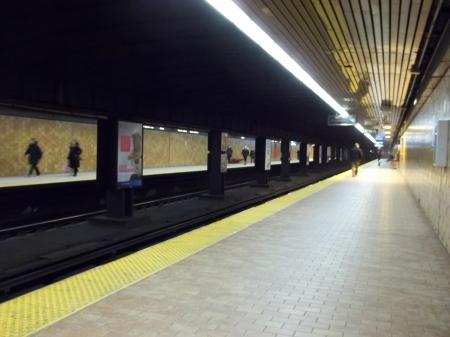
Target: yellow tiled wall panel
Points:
(166, 149)
(54, 138)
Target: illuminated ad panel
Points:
(129, 155)
(268, 161)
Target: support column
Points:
(333, 154)
(316, 155)
(285, 159)
(215, 175)
(302, 154)
(324, 154)
(119, 202)
(260, 161)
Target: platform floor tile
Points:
(357, 258)
(27, 314)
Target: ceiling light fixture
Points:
(161, 128)
(182, 130)
(241, 20)
(415, 101)
(194, 132)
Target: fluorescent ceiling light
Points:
(161, 128)
(360, 128)
(370, 137)
(388, 137)
(194, 132)
(241, 20)
(387, 127)
(148, 127)
(242, 137)
(182, 130)
(415, 101)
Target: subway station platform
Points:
(86, 176)
(344, 257)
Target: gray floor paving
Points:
(356, 259)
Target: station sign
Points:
(129, 154)
(338, 120)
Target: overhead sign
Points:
(338, 120)
(129, 155)
(268, 159)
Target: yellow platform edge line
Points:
(34, 311)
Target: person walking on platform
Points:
(245, 152)
(356, 156)
(379, 154)
(74, 156)
(34, 154)
(229, 153)
(252, 156)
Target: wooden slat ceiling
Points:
(361, 51)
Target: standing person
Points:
(74, 156)
(245, 152)
(34, 154)
(252, 156)
(379, 154)
(356, 157)
(229, 153)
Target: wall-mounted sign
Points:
(129, 155)
(268, 155)
(337, 120)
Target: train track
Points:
(33, 278)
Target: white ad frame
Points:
(268, 158)
(130, 142)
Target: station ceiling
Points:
(363, 52)
(182, 62)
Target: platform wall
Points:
(430, 185)
(167, 149)
(54, 138)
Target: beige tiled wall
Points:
(166, 149)
(430, 185)
(54, 138)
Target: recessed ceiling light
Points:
(415, 101)
(266, 11)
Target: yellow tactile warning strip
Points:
(34, 311)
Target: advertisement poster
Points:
(129, 154)
(223, 153)
(268, 154)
